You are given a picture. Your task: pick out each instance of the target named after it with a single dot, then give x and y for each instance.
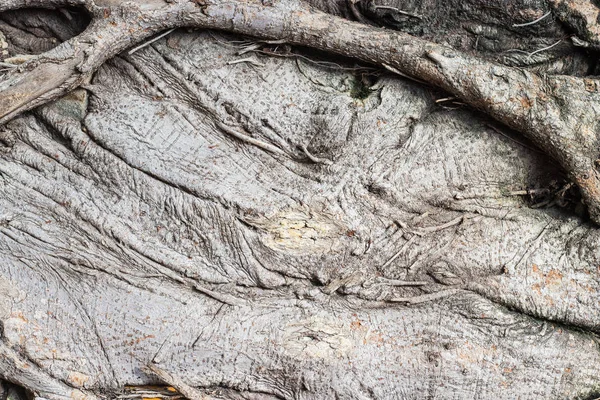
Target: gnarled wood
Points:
(517, 98)
(135, 230)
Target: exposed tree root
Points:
(557, 113)
(580, 15)
(31, 377)
(170, 379)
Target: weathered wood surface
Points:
(134, 229)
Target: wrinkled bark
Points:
(544, 109)
(278, 228)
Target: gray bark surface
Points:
(281, 228)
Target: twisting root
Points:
(23, 372)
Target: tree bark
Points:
(241, 219)
(542, 108)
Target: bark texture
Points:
(264, 225)
(546, 109)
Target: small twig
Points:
(406, 228)
(399, 11)
(141, 46)
(401, 223)
(229, 43)
(562, 191)
(531, 54)
(425, 298)
(544, 49)
(278, 41)
(394, 70)
(248, 139)
(314, 159)
(549, 202)
(451, 98)
(149, 395)
(248, 60)
(520, 192)
(420, 218)
(249, 48)
(8, 65)
(325, 64)
(221, 297)
(188, 391)
(580, 43)
(404, 247)
(328, 64)
(557, 196)
(138, 392)
(534, 21)
(431, 229)
(256, 46)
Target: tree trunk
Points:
(245, 219)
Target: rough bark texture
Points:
(558, 114)
(278, 228)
